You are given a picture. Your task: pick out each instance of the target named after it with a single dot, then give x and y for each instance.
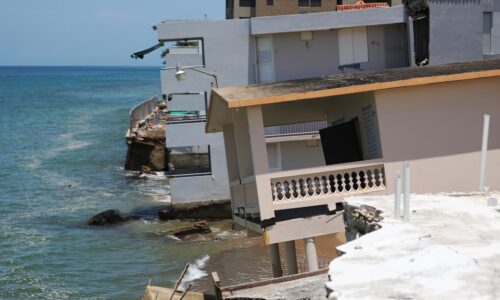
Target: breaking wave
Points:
(195, 271)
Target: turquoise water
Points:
(61, 155)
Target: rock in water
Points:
(108, 217)
(166, 214)
(198, 228)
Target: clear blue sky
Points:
(89, 32)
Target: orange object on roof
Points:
(361, 5)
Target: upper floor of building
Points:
(242, 9)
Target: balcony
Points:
(278, 204)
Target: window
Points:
(315, 3)
(189, 161)
(247, 3)
(186, 107)
(487, 25)
(274, 156)
(353, 46)
(270, 2)
(309, 3)
(371, 134)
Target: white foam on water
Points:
(195, 271)
(156, 176)
(167, 199)
(173, 237)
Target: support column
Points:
(291, 258)
(257, 140)
(311, 255)
(274, 249)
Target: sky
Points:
(90, 32)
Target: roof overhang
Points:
(225, 99)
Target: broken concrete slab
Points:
(186, 232)
(449, 249)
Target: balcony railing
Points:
(328, 183)
(297, 128)
(261, 195)
(142, 111)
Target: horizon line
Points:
(92, 66)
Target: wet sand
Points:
(243, 260)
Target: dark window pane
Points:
(315, 3)
(303, 3)
(270, 2)
(247, 3)
(191, 160)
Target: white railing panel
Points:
(142, 110)
(336, 182)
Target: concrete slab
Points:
(305, 288)
(449, 249)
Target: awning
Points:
(141, 54)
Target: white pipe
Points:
(311, 255)
(406, 191)
(397, 196)
(484, 149)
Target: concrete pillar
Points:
(274, 250)
(231, 153)
(242, 143)
(291, 258)
(311, 255)
(257, 136)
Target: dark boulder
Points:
(108, 217)
(166, 214)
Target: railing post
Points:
(406, 190)
(484, 149)
(397, 196)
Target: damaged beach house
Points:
(287, 107)
(262, 42)
(430, 117)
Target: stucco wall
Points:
(296, 155)
(226, 42)
(213, 187)
(455, 31)
(295, 58)
(495, 33)
(438, 128)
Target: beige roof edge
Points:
(357, 88)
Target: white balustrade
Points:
(340, 182)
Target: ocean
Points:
(62, 152)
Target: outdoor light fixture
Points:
(181, 75)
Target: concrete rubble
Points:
(449, 249)
(146, 142)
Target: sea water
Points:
(62, 151)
